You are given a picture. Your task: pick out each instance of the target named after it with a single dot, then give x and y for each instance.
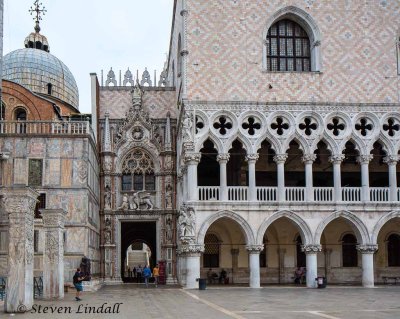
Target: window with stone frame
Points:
(288, 47)
(393, 250)
(211, 251)
(35, 175)
(349, 251)
(138, 172)
(40, 204)
(2, 111)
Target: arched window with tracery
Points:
(393, 250)
(349, 251)
(288, 47)
(138, 172)
(211, 251)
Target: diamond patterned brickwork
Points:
(158, 102)
(358, 50)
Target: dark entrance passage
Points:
(138, 232)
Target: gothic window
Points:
(35, 172)
(349, 251)
(179, 57)
(40, 204)
(36, 241)
(288, 47)
(211, 251)
(300, 255)
(393, 250)
(20, 114)
(2, 112)
(138, 172)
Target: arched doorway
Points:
(136, 236)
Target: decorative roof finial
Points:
(37, 10)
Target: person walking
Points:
(77, 280)
(146, 275)
(139, 274)
(156, 274)
(134, 272)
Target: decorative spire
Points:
(37, 10)
(168, 133)
(107, 134)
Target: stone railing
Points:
(46, 128)
(295, 194)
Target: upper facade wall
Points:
(117, 101)
(225, 40)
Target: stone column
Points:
(281, 263)
(391, 161)
(311, 264)
(192, 253)
(19, 205)
(367, 251)
(254, 264)
(308, 160)
(336, 160)
(192, 160)
(251, 160)
(280, 160)
(53, 254)
(235, 261)
(364, 162)
(223, 185)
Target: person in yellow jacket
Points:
(156, 274)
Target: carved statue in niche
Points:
(125, 202)
(168, 229)
(107, 231)
(157, 135)
(187, 222)
(137, 133)
(107, 197)
(168, 197)
(139, 199)
(187, 125)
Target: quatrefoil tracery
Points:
(336, 126)
(391, 127)
(364, 127)
(251, 126)
(199, 124)
(280, 125)
(223, 125)
(308, 126)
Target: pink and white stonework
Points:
(223, 162)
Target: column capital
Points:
(191, 249)
(192, 158)
(20, 199)
(391, 159)
(252, 157)
(53, 218)
(254, 249)
(367, 249)
(365, 159)
(337, 158)
(280, 158)
(234, 252)
(223, 157)
(311, 249)
(309, 158)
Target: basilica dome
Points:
(41, 72)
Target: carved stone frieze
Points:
(254, 248)
(367, 249)
(311, 248)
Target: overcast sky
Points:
(91, 35)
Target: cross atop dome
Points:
(36, 40)
(39, 10)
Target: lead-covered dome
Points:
(41, 72)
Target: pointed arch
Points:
(247, 230)
(305, 232)
(381, 222)
(242, 139)
(216, 141)
(357, 224)
(307, 22)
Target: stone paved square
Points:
(232, 302)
